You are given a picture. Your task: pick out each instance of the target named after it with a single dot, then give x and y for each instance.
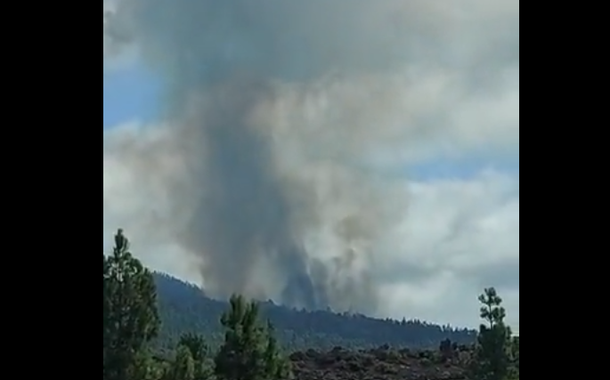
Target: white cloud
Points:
(116, 57)
(459, 236)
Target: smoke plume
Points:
(275, 117)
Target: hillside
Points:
(184, 308)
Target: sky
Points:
(460, 230)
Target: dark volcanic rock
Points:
(382, 363)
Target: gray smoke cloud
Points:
(275, 115)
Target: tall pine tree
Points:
(130, 310)
(493, 341)
(249, 351)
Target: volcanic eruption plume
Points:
(276, 114)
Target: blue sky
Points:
(129, 94)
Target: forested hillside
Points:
(159, 328)
(184, 308)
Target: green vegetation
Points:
(184, 308)
(136, 346)
(497, 352)
(249, 351)
(130, 310)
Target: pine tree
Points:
(276, 366)
(492, 355)
(144, 367)
(199, 352)
(514, 358)
(249, 351)
(183, 367)
(130, 311)
(195, 344)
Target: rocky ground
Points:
(380, 364)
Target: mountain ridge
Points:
(184, 308)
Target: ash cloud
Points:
(273, 112)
